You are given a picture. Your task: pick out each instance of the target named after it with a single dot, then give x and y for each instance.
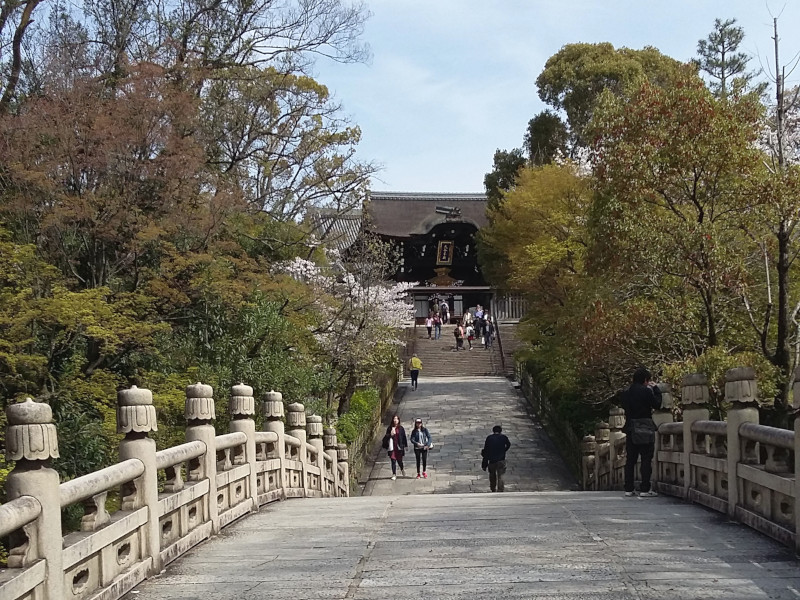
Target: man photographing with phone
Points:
(638, 401)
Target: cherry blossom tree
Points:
(358, 313)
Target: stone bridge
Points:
(720, 482)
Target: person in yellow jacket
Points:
(415, 366)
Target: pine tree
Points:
(720, 60)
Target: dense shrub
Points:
(363, 407)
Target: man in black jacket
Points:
(638, 401)
(494, 457)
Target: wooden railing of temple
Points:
(169, 500)
(737, 466)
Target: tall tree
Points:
(501, 178)
(720, 59)
(674, 164)
(546, 138)
(575, 76)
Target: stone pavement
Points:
(549, 545)
(460, 412)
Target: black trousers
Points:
(414, 377)
(634, 452)
(421, 454)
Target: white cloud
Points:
(452, 80)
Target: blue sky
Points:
(450, 81)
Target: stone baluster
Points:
(330, 441)
(314, 431)
(272, 409)
(741, 390)
(136, 418)
(660, 417)
(342, 456)
(616, 421)
(694, 395)
(242, 407)
(200, 412)
(589, 458)
(601, 435)
(31, 441)
(296, 420)
(796, 407)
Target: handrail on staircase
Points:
(500, 347)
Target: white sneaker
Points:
(650, 494)
(394, 477)
(630, 494)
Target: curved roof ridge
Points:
(477, 196)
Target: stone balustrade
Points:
(736, 466)
(169, 500)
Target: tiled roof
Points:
(402, 214)
(338, 230)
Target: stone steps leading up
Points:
(439, 358)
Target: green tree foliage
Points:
(665, 253)
(574, 78)
(720, 59)
(676, 162)
(504, 172)
(156, 165)
(546, 138)
(572, 81)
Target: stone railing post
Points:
(31, 441)
(272, 409)
(796, 410)
(136, 418)
(601, 435)
(242, 407)
(589, 457)
(616, 421)
(660, 417)
(296, 420)
(314, 431)
(330, 441)
(741, 390)
(694, 395)
(342, 456)
(200, 413)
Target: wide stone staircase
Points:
(439, 358)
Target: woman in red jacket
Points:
(397, 445)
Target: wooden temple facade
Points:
(436, 238)
(435, 235)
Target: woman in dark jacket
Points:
(421, 439)
(397, 445)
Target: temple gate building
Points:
(436, 238)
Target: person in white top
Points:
(429, 325)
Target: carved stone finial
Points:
(694, 389)
(200, 402)
(296, 417)
(272, 405)
(242, 403)
(135, 411)
(314, 426)
(667, 399)
(602, 432)
(588, 444)
(741, 385)
(616, 418)
(329, 440)
(342, 454)
(796, 390)
(31, 434)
